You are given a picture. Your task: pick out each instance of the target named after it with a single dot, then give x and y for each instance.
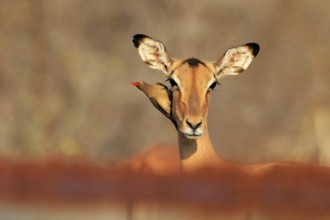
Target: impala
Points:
(185, 103)
(192, 82)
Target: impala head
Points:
(193, 80)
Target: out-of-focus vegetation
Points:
(66, 68)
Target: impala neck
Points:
(197, 153)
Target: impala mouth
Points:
(192, 135)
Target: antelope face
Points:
(193, 80)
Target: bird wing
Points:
(168, 91)
(159, 107)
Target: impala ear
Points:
(153, 53)
(236, 60)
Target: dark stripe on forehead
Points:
(193, 62)
(194, 99)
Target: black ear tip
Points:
(137, 39)
(254, 47)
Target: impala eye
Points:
(213, 85)
(172, 82)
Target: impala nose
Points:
(194, 125)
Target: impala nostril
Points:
(198, 124)
(193, 125)
(190, 125)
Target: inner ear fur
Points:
(153, 53)
(236, 59)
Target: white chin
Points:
(192, 137)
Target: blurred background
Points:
(66, 68)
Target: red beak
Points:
(135, 83)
